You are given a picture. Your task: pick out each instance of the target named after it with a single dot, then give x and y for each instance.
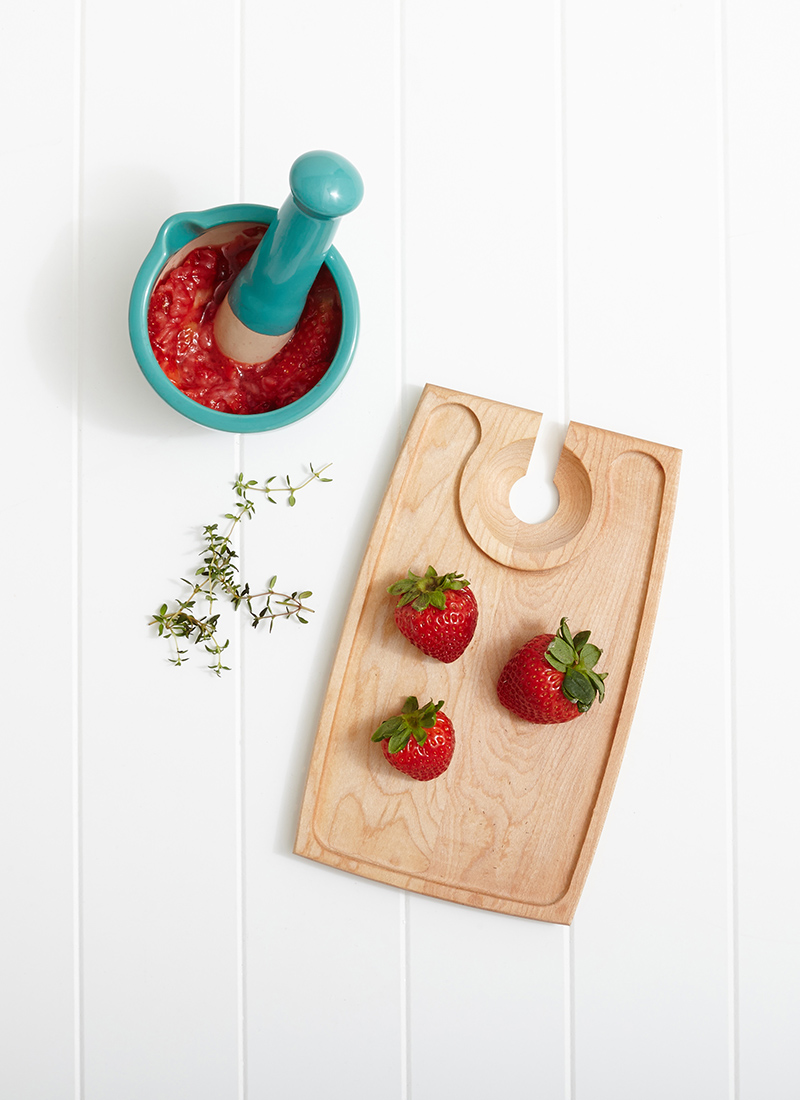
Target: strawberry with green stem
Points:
(552, 677)
(437, 613)
(420, 741)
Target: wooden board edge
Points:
(670, 460)
(559, 912)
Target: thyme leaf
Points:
(194, 619)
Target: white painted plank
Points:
(159, 795)
(324, 951)
(37, 1002)
(488, 995)
(651, 951)
(482, 172)
(489, 1004)
(764, 157)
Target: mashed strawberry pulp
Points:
(181, 329)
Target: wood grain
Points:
(513, 824)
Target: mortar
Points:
(282, 269)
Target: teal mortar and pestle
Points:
(263, 304)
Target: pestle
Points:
(262, 307)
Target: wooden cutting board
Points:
(513, 824)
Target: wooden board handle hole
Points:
(535, 498)
(485, 498)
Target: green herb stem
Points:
(218, 572)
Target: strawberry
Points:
(552, 678)
(438, 614)
(420, 741)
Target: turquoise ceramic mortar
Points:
(181, 232)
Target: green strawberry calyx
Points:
(415, 721)
(576, 658)
(429, 590)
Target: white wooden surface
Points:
(587, 209)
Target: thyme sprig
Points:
(217, 577)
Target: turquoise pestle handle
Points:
(270, 292)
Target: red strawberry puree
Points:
(181, 329)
